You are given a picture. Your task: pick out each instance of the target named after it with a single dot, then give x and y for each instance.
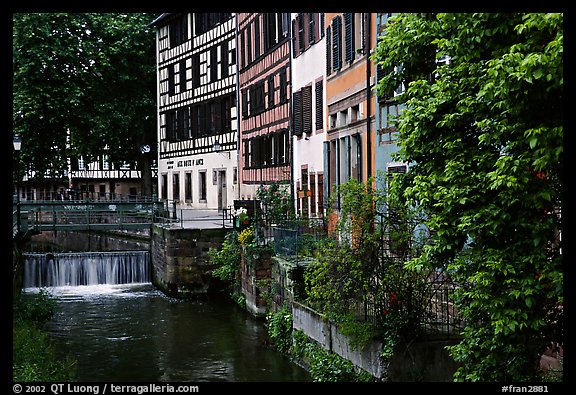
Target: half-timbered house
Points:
(264, 100)
(197, 122)
(308, 116)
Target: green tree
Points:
(483, 132)
(83, 82)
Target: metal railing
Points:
(74, 215)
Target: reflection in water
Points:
(133, 332)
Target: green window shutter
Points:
(336, 43)
(328, 51)
(349, 36)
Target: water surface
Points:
(133, 332)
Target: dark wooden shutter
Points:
(257, 37)
(171, 86)
(300, 24)
(336, 43)
(307, 109)
(349, 36)
(244, 103)
(319, 106)
(213, 64)
(195, 70)
(295, 48)
(297, 112)
(271, 91)
(311, 28)
(182, 75)
(224, 55)
(249, 44)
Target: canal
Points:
(130, 331)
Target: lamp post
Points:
(17, 141)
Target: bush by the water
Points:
(34, 355)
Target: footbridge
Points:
(34, 216)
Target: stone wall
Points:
(425, 360)
(180, 264)
(256, 274)
(326, 334)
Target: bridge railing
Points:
(71, 215)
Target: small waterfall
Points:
(85, 268)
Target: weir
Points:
(85, 268)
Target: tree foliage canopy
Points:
(483, 134)
(83, 82)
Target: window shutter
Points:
(328, 51)
(311, 28)
(244, 103)
(319, 106)
(307, 109)
(182, 75)
(300, 23)
(224, 56)
(249, 44)
(297, 109)
(257, 37)
(336, 43)
(213, 64)
(349, 36)
(271, 91)
(295, 38)
(171, 73)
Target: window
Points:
(224, 53)
(227, 104)
(276, 28)
(208, 20)
(202, 185)
(257, 98)
(178, 30)
(175, 186)
(195, 70)
(188, 187)
(213, 64)
(164, 186)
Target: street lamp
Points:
(17, 141)
(217, 147)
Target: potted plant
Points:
(242, 218)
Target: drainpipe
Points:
(367, 17)
(290, 121)
(239, 164)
